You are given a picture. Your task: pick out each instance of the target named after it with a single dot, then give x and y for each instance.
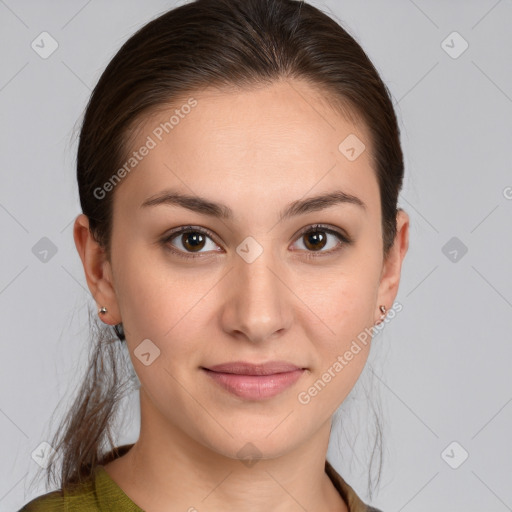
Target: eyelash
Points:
(204, 231)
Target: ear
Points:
(391, 269)
(98, 271)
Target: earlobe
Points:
(97, 270)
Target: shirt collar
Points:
(353, 501)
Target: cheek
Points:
(342, 352)
(347, 300)
(146, 291)
(345, 309)
(164, 303)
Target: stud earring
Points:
(102, 310)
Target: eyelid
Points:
(188, 229)
(341, 234)
(328, 229)
(165, 240)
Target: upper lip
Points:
(245, 368)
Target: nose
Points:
(258, 304)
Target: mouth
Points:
(255, 381)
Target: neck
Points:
(166, 469)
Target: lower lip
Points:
(255, 387)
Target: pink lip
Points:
(255, 381)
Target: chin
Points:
(252, 445)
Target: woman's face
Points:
(249, 286)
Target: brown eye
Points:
(193, 241)
(190, 242)
(315, 240)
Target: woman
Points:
(239, 167)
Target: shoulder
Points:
(50, 501)
(81, 499)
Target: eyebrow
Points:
(206, 207)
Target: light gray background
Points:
(442, 366)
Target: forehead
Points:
(283, 138)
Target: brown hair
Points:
(205, 43)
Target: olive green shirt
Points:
(102, 494)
